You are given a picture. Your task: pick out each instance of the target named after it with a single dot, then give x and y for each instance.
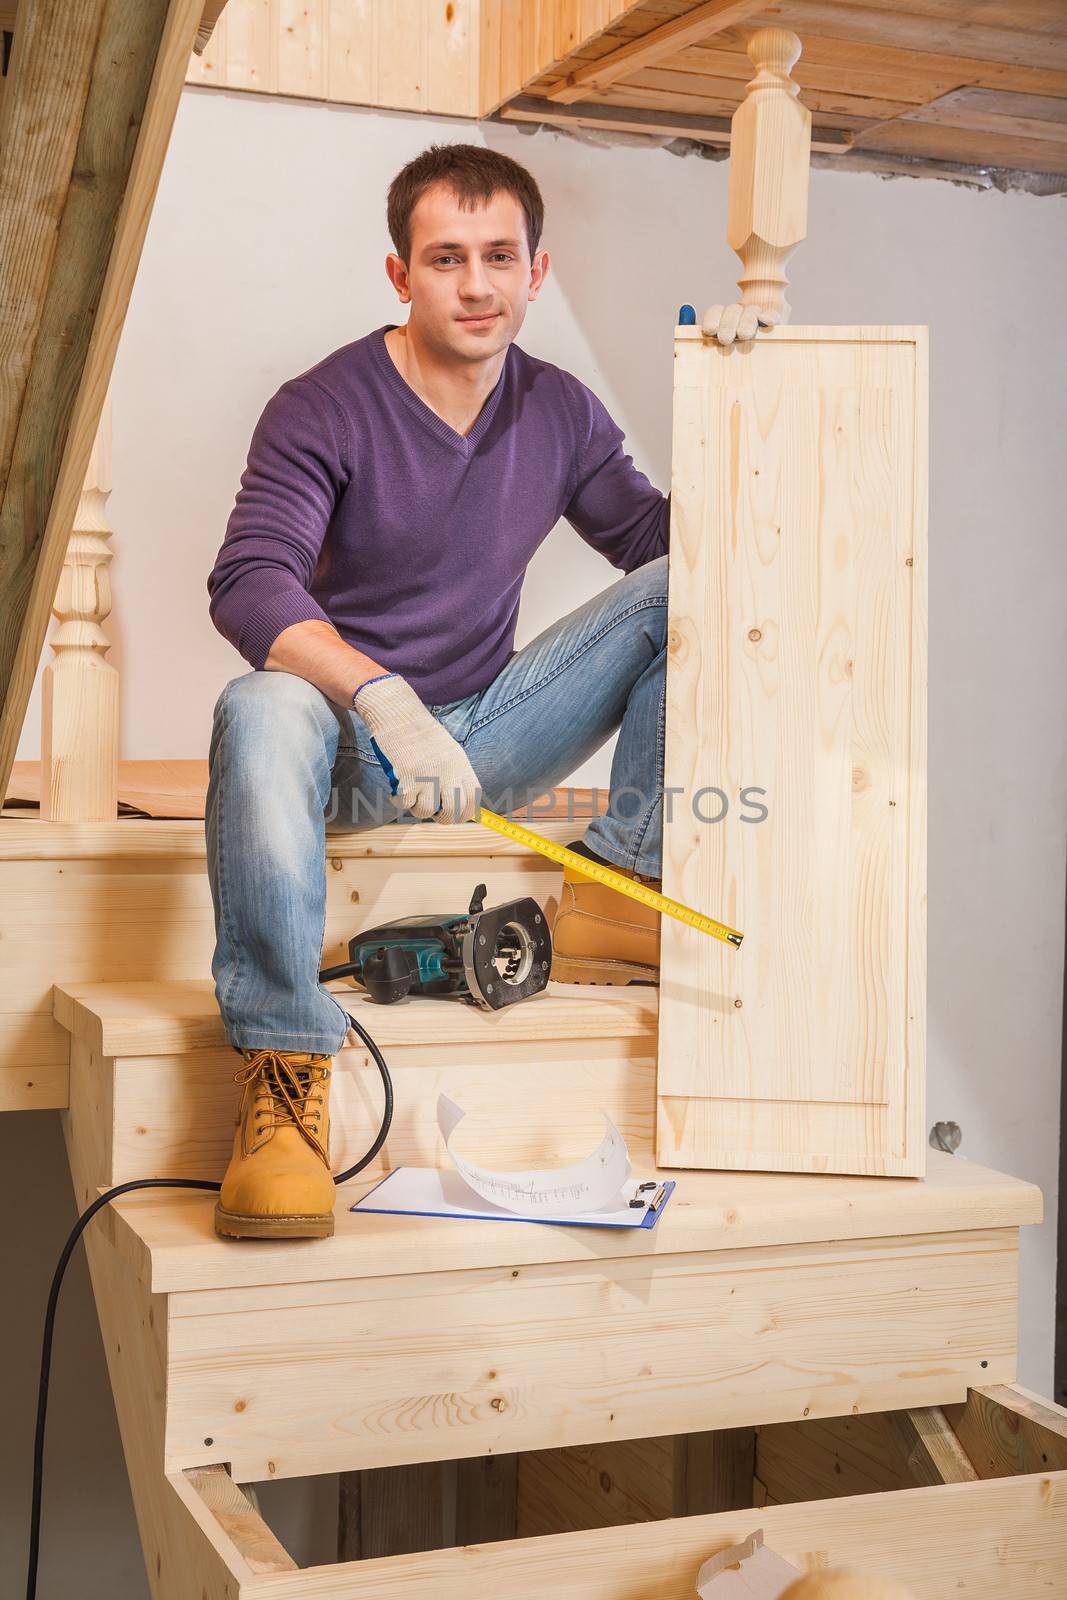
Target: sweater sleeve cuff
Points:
(271, 618)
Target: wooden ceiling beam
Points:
(633, 119)
(724, 54)
(651, 48)
(89, 104)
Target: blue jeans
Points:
(288, 767)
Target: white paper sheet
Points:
(427, 1191)
(589, 1185)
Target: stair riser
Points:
(1004, 1537)
(529, 1102)
(317, 1377)
(152, 918)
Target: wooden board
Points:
(131, 900)
(530, 1102)
(796, 684)
(158, 1346)
(1004, 1540)
(168, 1238)
(87, 113)
(407, 55)
(440, 1364)
(865, 68)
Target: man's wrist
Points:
(378, 676)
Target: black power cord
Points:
(68, 1250)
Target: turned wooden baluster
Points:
(770, 156)
(79, 689)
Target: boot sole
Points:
(232, 1225)
(581, 970)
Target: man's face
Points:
(470, 276)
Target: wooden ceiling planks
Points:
(672, 35)
(969, 40)
(982, 83)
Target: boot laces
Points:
(288, 1086)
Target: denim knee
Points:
(268, 710)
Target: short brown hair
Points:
(474, 175)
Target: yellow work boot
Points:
(278, 1183)
(602, 936)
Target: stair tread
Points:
(156, 1017)
(36, 838)
(169, 1239)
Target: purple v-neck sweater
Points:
(360, 506)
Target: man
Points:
(370, 574)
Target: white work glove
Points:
(434, 777)
(727, 323)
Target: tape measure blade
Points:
(612, 880)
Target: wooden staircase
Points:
(759, 1301)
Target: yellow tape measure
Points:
(613, 880)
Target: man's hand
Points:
(434, 777)
(736, 322)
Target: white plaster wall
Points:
(265, 252)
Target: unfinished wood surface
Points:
(1005, 1540)
(177, 789)
(216, 1351)
(239, 1520)
(83, 902)
(80, 688)
(796, 739)
(405, 55)
(22, 840)
(715, 1471)
(881, 81)
(387, 1511)
(520, 39)
(596, 1486)
(133, 1329)
(173, 790)
(951, 26)
(770, 145)
(529, 1103)
(637, 119)
(664, 41)
(621, 1481)
(1007, 1429)
(84, 126)
(519, 1357)
(934, 1453)
(997, 1432)
(171, 1243)
(126, 1019)
(829, 1457)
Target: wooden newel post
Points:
(795, 731)
(79, 689)
(770, 156)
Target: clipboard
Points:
(433, 1192)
